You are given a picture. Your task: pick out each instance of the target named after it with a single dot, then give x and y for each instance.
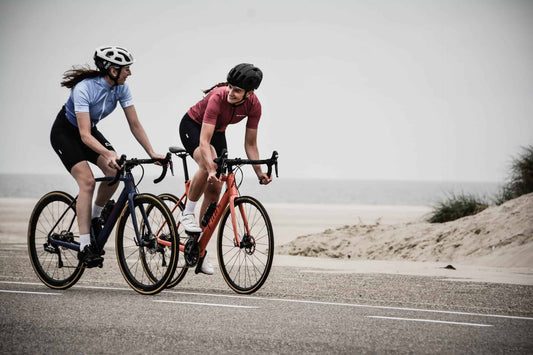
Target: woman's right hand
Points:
(111, 159)
(212, 177)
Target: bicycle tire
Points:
(181, 267)
(57, 267)
(246, 268)
(149, 267)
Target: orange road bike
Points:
(245, 243)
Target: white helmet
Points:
(112, 56)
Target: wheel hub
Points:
(248, 244)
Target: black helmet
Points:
(245, 76)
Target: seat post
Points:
(185, 169)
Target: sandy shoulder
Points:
(493, 246)
(500, 236)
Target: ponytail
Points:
(215, 86)
(76, 74)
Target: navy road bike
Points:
(147, 262)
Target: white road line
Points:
(206, 304)
(355, 305)
(432, 321)
(32, 292)
(166, 292)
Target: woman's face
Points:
(236, 94)
(124, 73)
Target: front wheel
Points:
(146, 245)
(245, 264)
(54, 218)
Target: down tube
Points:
(215, 219)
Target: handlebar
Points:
(127, 165)
(223, 163)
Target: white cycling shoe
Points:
(189, 223)
(206, 267)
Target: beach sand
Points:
(494, 246)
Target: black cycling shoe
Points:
(90, 257)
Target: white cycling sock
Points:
(189, 207)
(97, 211)
(85, 239)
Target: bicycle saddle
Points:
(176, 150)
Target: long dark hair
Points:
(78, 73)
(215, 86)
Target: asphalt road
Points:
(297, 311)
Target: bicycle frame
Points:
(228, 198)
(127, 195)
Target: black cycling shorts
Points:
(190, 136)
(67, 143)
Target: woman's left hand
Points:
(264, 179)
(157, 156)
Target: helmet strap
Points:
(243, 99)
(115, 78)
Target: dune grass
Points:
(455, 207)
(520, 182)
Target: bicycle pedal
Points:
(193, 234)
(97, 262)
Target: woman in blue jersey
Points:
(202, 132)
(76, 140)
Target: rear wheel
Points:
(54, 217)
(246, 265)
(146, 264)
(177, 207)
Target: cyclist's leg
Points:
(66, 141)
(84, 178)
(212, 191)
(89, 253)
(105, 192)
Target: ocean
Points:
(282, 190)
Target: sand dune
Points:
(500, 236)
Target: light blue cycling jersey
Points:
(97, 97)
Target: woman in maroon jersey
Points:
(202, 132)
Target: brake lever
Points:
(168, 158)
(120, 163)
(275, 158)
(220, 161)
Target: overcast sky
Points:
(412, 90)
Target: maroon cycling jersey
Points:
(215, 109)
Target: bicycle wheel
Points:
(245, 268)
(57, 267)
(176, 207)
(146, 264)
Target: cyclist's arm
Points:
(139, 133)
(205, 149)
(84, 126)
(250, 146)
